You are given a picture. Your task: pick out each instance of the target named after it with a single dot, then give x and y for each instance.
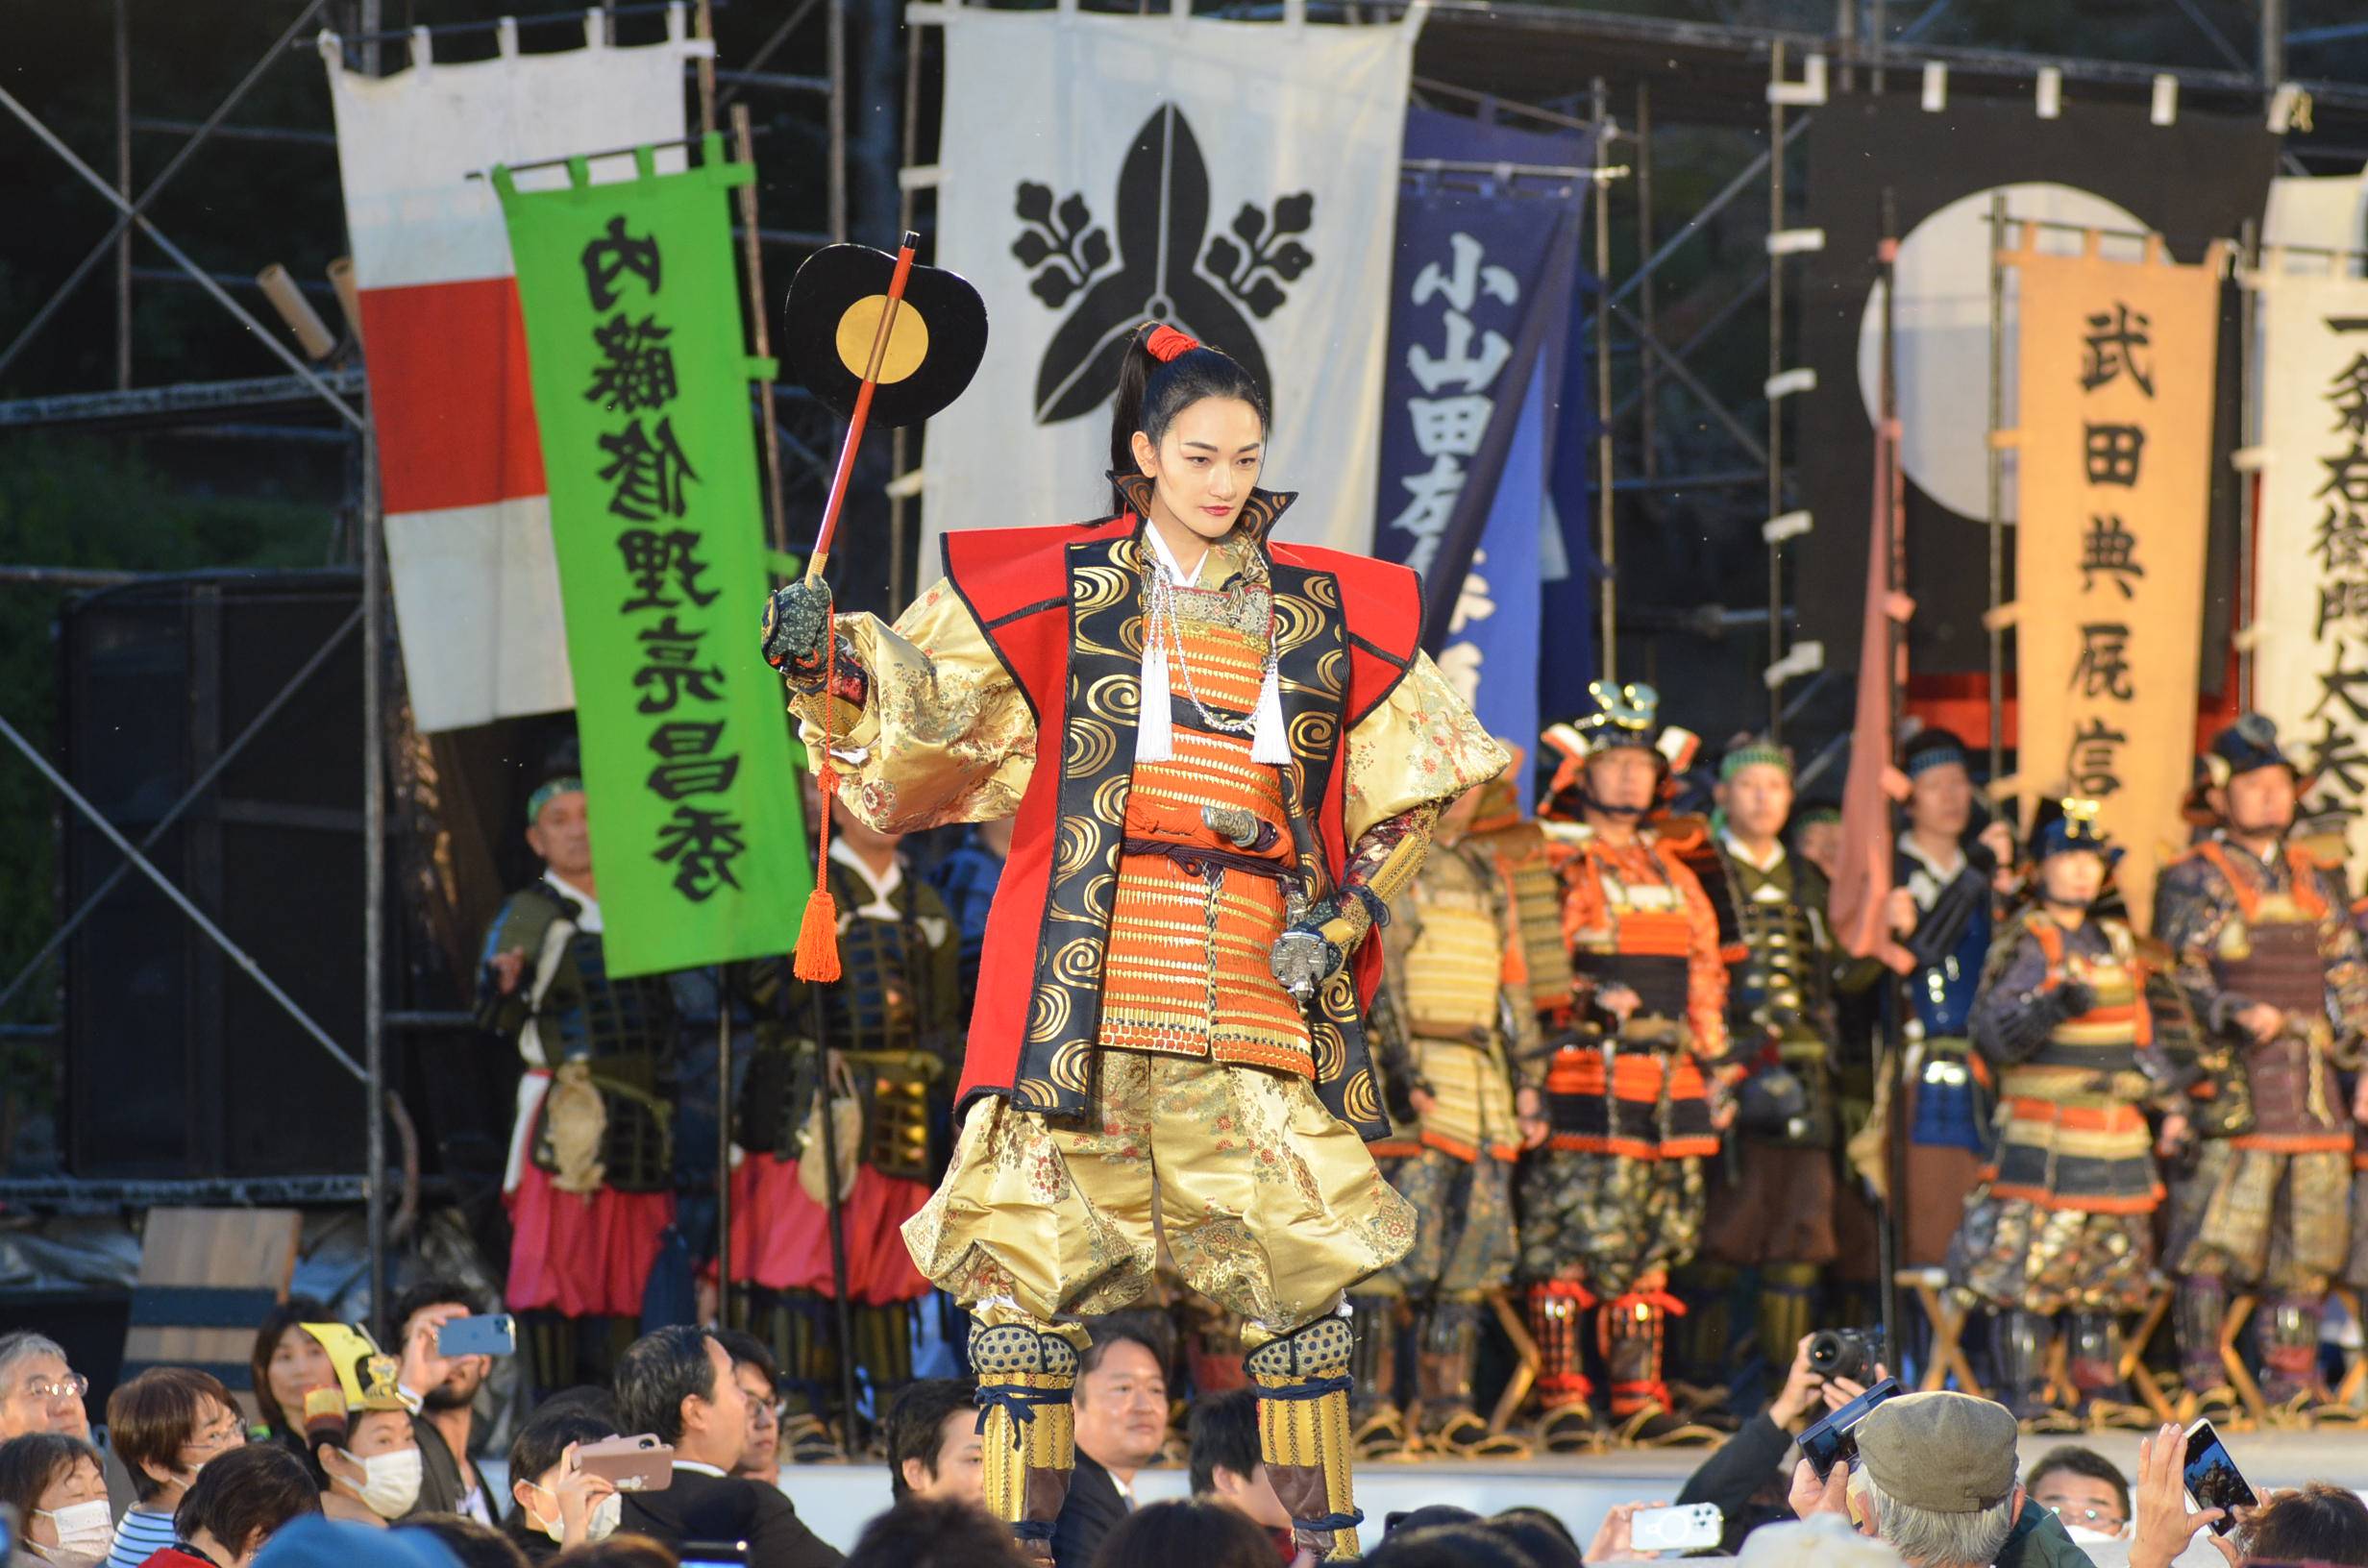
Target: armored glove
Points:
(1307, 954)
(797, 620)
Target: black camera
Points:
(1846, 1353)
(1835, 1440)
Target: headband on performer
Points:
(1167, 345)
(557, 787)
(1941, 753)
(1754, 754)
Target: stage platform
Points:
(836, 1499)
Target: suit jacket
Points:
(705, 1507)
(1092, 1511)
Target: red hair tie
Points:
(1165, 344)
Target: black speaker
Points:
(178, 1062)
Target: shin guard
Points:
(1027, 1433)
(1303, 1432)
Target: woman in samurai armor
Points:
(1224, 755)
(2061, 1226)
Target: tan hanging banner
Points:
(2115, 371)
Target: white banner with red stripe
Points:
(468, 525)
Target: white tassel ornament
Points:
(1154, 724)
(1270, 738)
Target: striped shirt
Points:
(140, 1533)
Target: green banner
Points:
(641, 387)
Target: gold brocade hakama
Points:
(1268, 1205)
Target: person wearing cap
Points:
(1945, 883)
(1934, 1478)
(1615, 1198)
(2062, 1226)
(589, 1182)
(1777, 1192)
(1457, 989)
(2271, 965)
(358, 1440)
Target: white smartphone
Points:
(1676, 1529)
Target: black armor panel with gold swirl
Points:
(1105, 593)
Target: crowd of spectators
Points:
(177, 1478)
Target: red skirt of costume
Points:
(581, 1253)
(780, 1238)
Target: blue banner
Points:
(1486, 267)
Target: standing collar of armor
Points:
(1259, 514)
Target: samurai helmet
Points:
(2245, 746)
(1625, 716)
(2063, 826)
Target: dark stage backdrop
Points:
(2193, 180)
(177, 1064)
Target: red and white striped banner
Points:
(468, 525)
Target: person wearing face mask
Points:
(2083, 1489)
(368, 1460)
(359, 1437)
(55, 1485)
(556, 1503)
(165, 1426)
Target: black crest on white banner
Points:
(1159, 269)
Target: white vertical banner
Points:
(1235, 180)
(468, 522)
(2311, 658)
(2308, 212)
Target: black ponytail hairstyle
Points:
(1152, 392)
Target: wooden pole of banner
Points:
(1606, 541)
(1894, 1056)
(703, 28)
(2249, 427)
(1647, 366)
(1997, 462)
(753, 258)
(1775, 405)
(373, 539)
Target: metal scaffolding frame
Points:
(1632, 332)
(339, 387)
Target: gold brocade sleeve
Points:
(1422, 747)
(944, 734)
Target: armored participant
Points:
(1225, 755)
(2063, 1225)
(892, 1027)
(2271, 965)
(1954, 883)
(590, 1178)
(1454, 975)
(1776, 1214)
(1614, 1200)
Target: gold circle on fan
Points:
(908, 338)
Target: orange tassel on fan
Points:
(818, 929)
